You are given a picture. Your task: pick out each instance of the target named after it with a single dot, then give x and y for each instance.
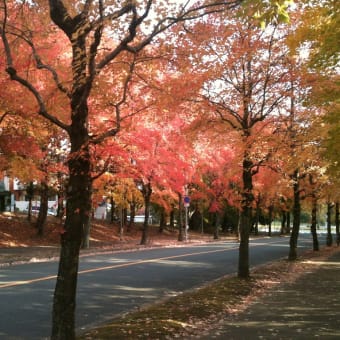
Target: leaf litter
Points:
(193, 313)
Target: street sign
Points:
(186, 201)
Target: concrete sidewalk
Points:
(305, 309)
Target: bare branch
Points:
(162, 25)
(42, 108)
(42, 66)
(94, 46)
(11, 70)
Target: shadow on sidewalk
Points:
(305, 309)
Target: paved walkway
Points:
(306, 309)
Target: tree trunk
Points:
(313, 225)
(292, 256)
(43, 208)
(162, 220)
(244, 231)
(61, 197)
(337, 222)
(60, 208)
(271, 209)
(245, 218)
(237, 232)
(180, 219)
(146, 191)
(86, 232)
(132, 216)
(87, 225)
(196, 220)
(125, 216)
(112, 212)
(172, 219)
(329, 240)
(257, 215)
(288, 222)
(123, 222)
(30, 193)
(78, 198)
(283, 222)
(217, 224)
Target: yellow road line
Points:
(46, 278)
(19, 283)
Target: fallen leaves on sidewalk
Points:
(195, 313)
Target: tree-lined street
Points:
(205, 115)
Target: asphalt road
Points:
(116, 283)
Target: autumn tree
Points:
(49, 165)
(314, 36)
(246, 83)
(22, 156)
(124, 29)
(319, 32)
(157, 167)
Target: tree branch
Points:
(11, 70)
(161, 26)
(4, 116)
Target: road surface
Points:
(116, 283)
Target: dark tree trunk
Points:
(78, 198)
(195, 221)
(112, 212)
(292, 256)
(238, 225)
(162, 220)
(61, 197)
(132, 216)
(61, 208)
(313, 224)
(329, 240)
(86, 232)
(172, 219)
(288, 222)
(43, 208)
(123, 223)
(78, 194)
(245, 219)
(337, 222)
(217, 224)
(146, 191)
(180, 219)
(30, 193)
(244, 231)
(87, 224)
(271, 209)
(283, 222)
(125, 215)
(257, 215)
